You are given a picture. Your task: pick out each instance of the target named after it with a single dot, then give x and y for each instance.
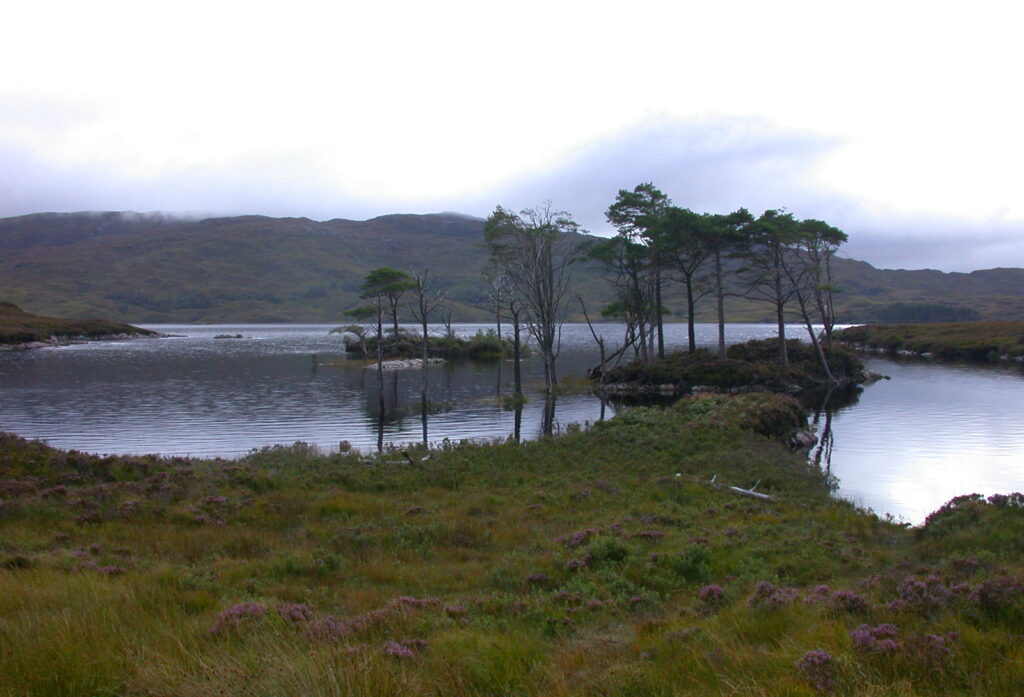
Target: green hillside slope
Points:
(153, 268)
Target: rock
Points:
(405, 364)
(867, 377)
(802, 439)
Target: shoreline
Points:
(60, 341)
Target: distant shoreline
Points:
(20, 330)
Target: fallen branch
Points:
(741, 491)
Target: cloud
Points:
(719, 165)
(708, 165)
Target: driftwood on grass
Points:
(741, 491)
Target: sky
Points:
(898, 122)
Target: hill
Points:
(143, 268)
(20, 327)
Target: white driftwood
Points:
(741, 491)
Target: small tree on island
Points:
(359, 331)
(390, 284)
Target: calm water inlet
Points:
(904, 447)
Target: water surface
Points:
(905, 447)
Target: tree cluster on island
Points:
(774, 258)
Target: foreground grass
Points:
(597, 563)
(949, 340)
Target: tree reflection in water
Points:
(823, 405)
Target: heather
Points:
(598, 562)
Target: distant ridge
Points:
(155, 267)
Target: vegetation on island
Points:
(20, 327)
(607, 561)
(484, 344)
(976, 341)
(776, 259)
(751, 366)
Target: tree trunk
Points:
(815, 343)
(657, 312)
(517, 372)
(720, 292)
(783, 349)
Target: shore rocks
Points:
(802, 439)
(58, 341)
(405, 364)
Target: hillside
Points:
(153, 268)
(20, 327)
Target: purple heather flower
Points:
(328, 628)
(994, 594)
(879, 639)
(111, 571)
(393, 648)
(848, 601)
(234, 616)
(578, 538)
(711, 595)
(770, 597)
(295, 612)
(817, 667)
(454, 610)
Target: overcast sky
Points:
(899, 122)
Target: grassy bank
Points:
(597, 563)
(948, 340)
(20, 327)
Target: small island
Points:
(20, 329)
(750, 367)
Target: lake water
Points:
(904, 448)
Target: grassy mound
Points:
(596, 563)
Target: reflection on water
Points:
(822, 404)
(903, 446)
(907, 445)
(197, 395)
